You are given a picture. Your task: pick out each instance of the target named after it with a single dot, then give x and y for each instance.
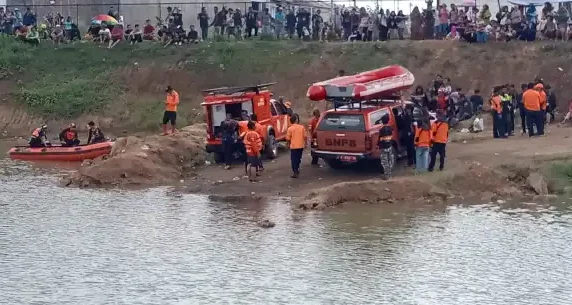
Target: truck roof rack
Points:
(233, 90)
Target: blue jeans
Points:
(422, 159)
(296, 159)
(482, 37)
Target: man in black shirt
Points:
(290, 23)
(386, 147)
(303, 22)
(193, 36)
(229, 127)
(95, 134)
(251, 18)
(203, 18)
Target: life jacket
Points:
(252, 143)
(387, 138)
(422, 137)
(496, 104)
(242, 128)
(37, 132)
(440, 132)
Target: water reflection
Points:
(71, 246)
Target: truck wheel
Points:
(219, 158)
(335, 164)
(271, 148)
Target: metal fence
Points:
(138, 13)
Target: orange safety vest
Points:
(496, 104)
(423, 137)
(252, 143)
(172, 101)
(542, 100)
(531, 100)
(36, 132)
(242, 128)
(313, 125)
(440, 132)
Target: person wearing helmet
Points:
(39, 137)
(69, 136)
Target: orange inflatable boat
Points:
(60, 153)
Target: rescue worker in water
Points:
(69, 137)
(39, 137)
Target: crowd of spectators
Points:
(346, 24)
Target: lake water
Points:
(69, 246)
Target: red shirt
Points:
(117, 33)
(313, 125)
(148, 30)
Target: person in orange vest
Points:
(423, 138)
(312, 128)
(532, 105)
(296, 137)
(262, 133)
(68, 136)
(440, 129)
(170, 114)
(496, 112)
(242, 130)
(39, 137)
(385, 144)
(543, 101)
(253, 144)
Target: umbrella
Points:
(99, 19)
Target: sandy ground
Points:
(468, 151)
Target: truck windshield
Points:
(340, 121)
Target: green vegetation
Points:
(560, 175)
(63, 81)
(67, 81)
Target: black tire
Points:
(219, 158)
(271, 148)
(335, 164)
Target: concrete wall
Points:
(80, 10)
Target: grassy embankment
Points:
(69, 81)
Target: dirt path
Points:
(462, 154)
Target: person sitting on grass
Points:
(127, 33)
(57, 34)
(33, 37)
(193, 35)
(148, 31)
(116, 36)
(21, 33)
(136, 36)
(104, 34)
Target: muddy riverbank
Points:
(477, 166)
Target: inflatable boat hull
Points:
(60, 153)
(374, 84)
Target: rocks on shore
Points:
(538, 183)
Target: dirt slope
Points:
(293, 65)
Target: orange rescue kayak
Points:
(60, 153)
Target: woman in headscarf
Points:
(382, 25)
(416, 31)
(532, 21)
(401, 18)
(485, 15)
